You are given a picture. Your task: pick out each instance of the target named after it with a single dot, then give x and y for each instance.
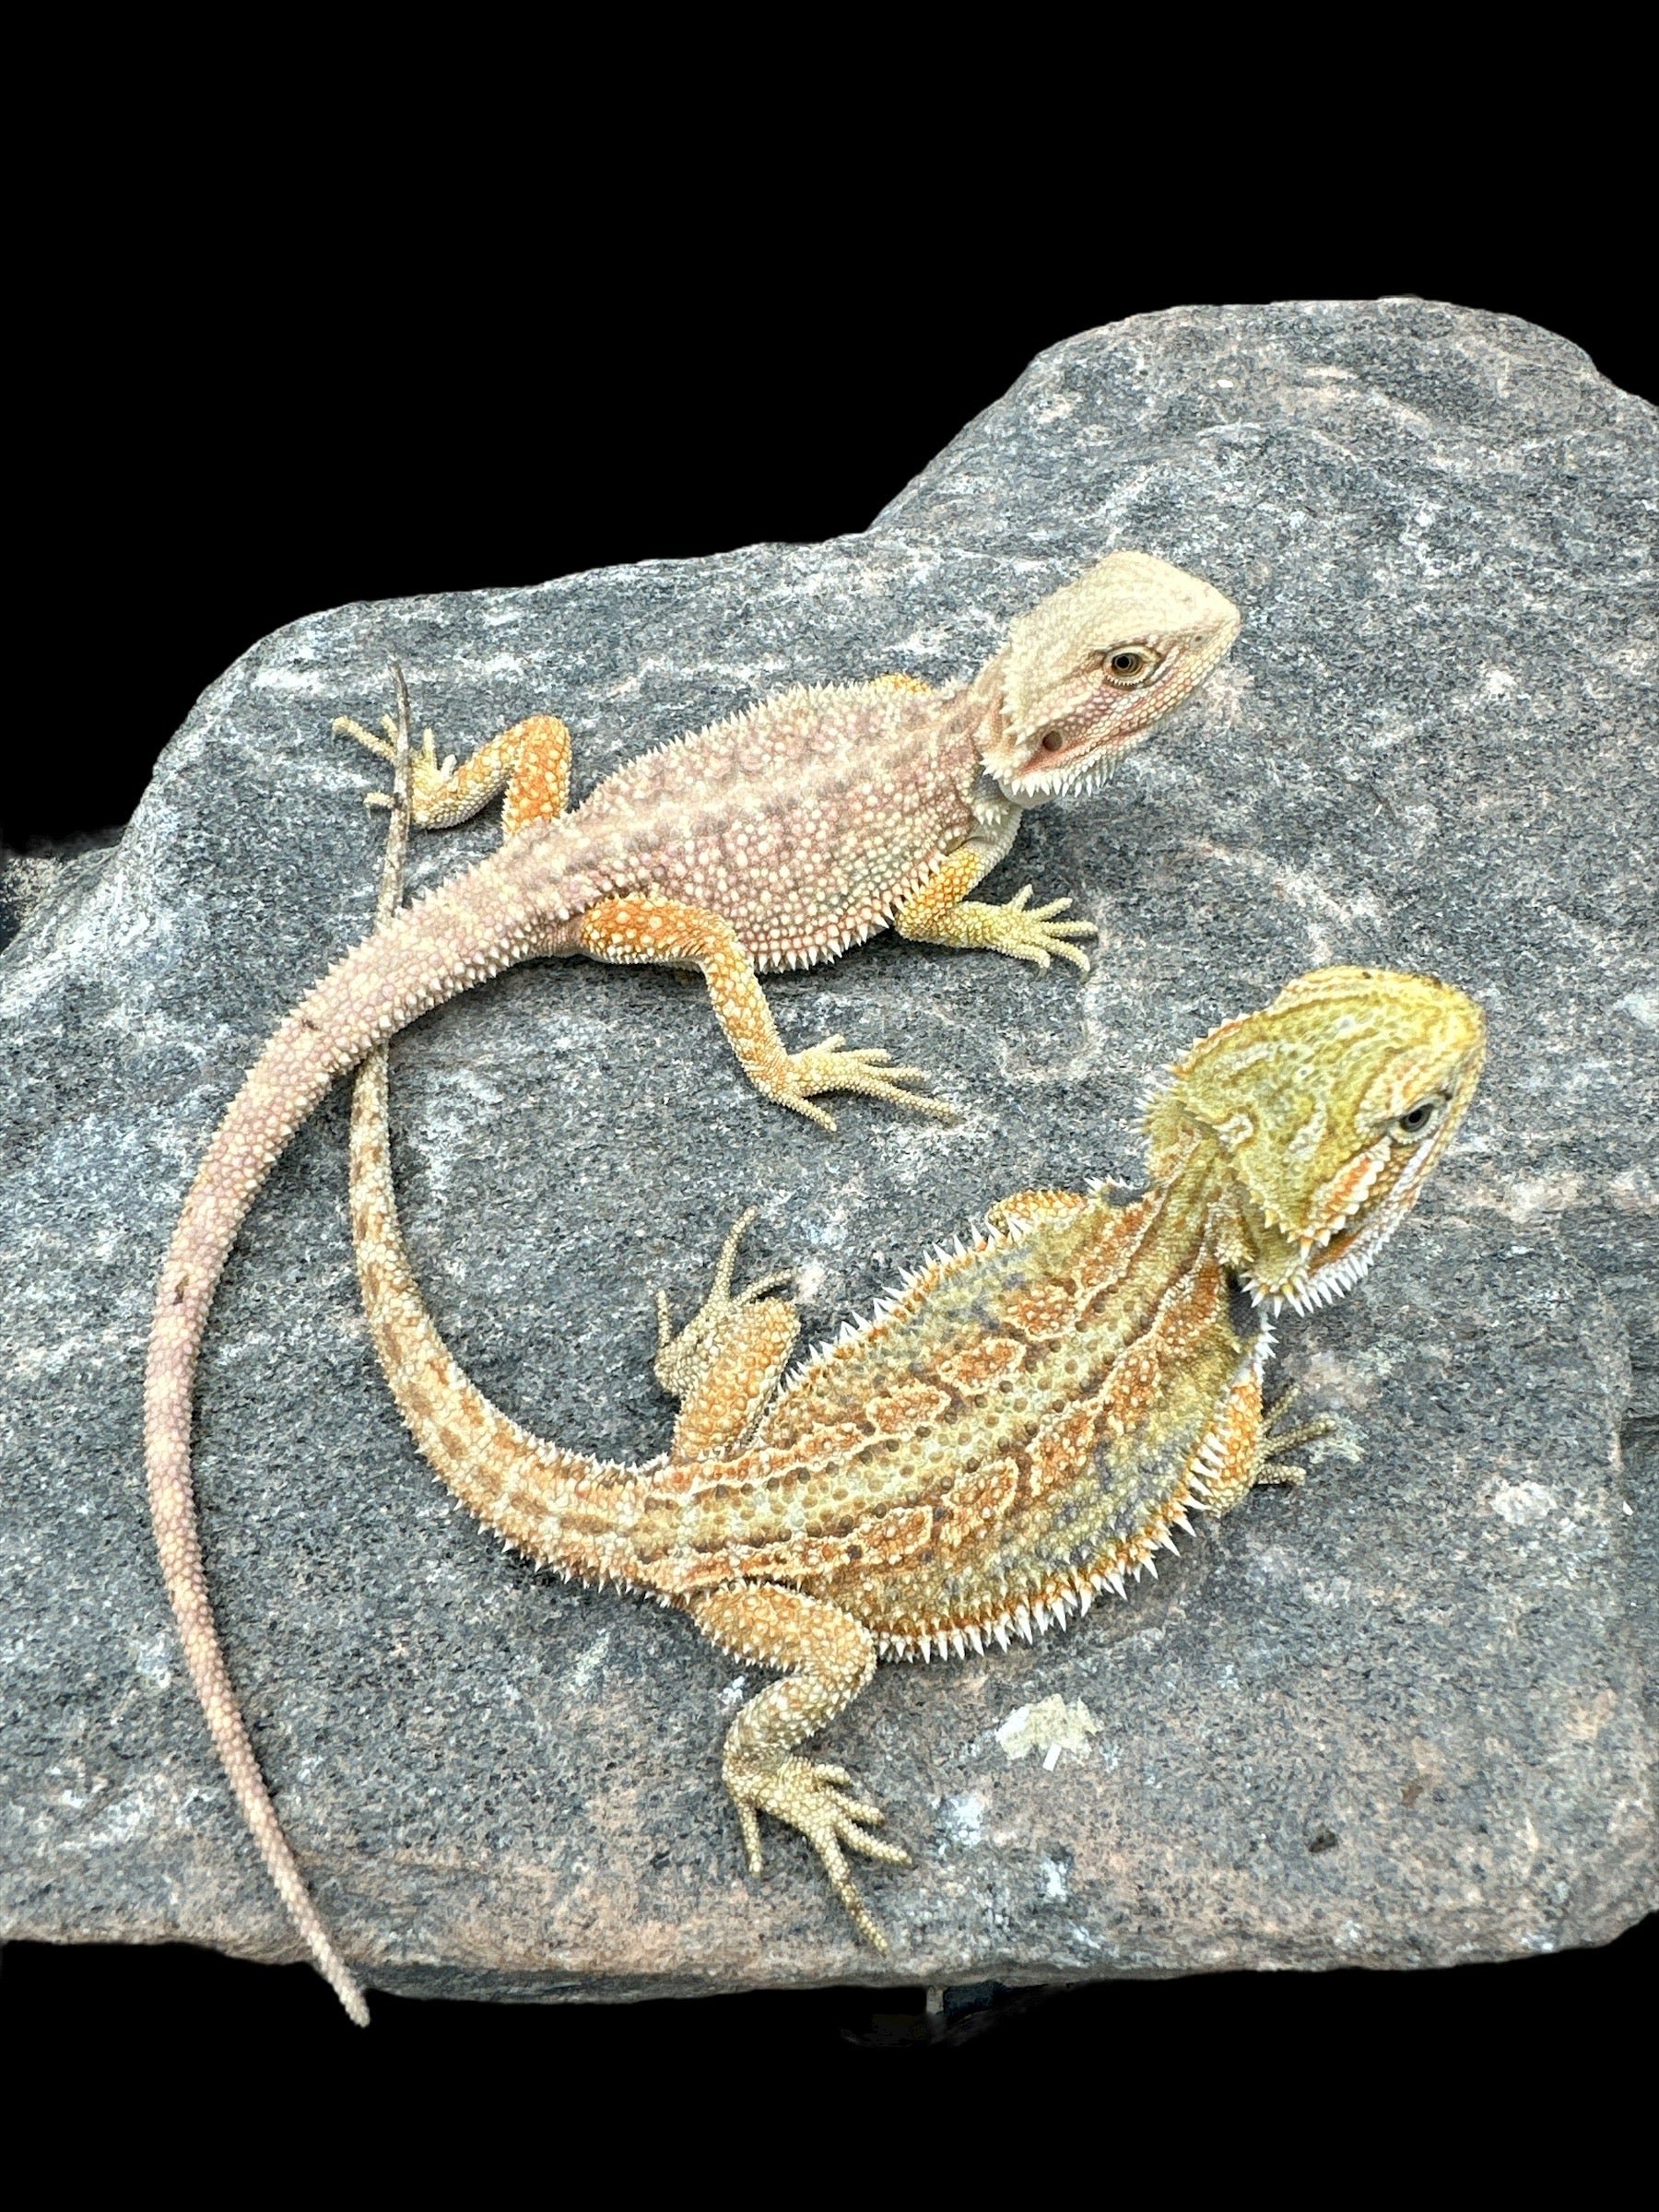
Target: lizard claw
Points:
(1275, 1439)
(1031, 932)
(386, 747)
(811, 1798)
(866, 1069)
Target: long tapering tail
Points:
(532, 1491)
(497, 914)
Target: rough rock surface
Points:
(1394, 1718)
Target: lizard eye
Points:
(1416, 1121)
(1129, 666)
(1054, 741)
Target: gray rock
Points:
(1394, 1718)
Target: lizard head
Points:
(1087, 672)
(1324, 1113)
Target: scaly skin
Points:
(1021, 1428)
(776, 838)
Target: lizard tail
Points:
(559, 1507)
(429, 953)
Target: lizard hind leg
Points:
(725, 1364)
(832, 1656)
(531, 763)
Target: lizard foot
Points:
(682, 1357)
(809, 1798)
(1270, 1468)
(428, 778)
(1031, 932)
(828, 1068)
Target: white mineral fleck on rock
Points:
(1051, 1728)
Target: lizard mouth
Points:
(1334, 1272)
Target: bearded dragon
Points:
(1017, 1431)
(776, 838)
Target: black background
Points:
(273, 360)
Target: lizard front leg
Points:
(725, 1364)
(530, 761)
(645, 929)
(940, 913)
(1245, 1446)
(830, 1657)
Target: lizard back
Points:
(1020, 1426)
(805, 820)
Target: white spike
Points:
(1001, 1634)
(1168, 1541)
(973, 1638)
(1022, 1621)
(961, 1648)
(1085, 1599)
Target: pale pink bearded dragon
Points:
(777, 838)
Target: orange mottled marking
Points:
(1107, 1259)
(1062, 1447)
(911, 1406)
(1335, 1200)
(978, 1367)
(884, 1540)
(890, 1538)
(977, 1503)
(539, 790)
(947, 885)
(721, 1408)
(531, 763)
(1189, 1310)
(815, 1443)
(665, 932)
(1045, 1311)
